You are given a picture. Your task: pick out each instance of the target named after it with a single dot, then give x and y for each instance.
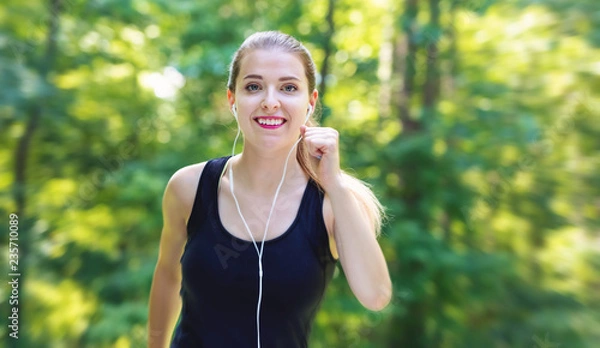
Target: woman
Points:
(250, 241)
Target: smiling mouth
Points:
(270, 121)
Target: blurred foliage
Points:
(494, 200)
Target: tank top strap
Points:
(204, 202)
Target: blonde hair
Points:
(274, 40)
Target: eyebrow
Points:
(259, 77)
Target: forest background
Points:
(476, 122)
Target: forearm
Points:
(360, 254)
(164, 308)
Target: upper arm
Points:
(330, 218)
(177, 205)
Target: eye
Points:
(290, 88)
(252, 87)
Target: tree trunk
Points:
(408, 48)
(22, 160)
(408, 330)
(327, 48)
(35, 111)
(453, 62)
(432, 79)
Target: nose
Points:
(270, 103)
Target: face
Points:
(271, 97)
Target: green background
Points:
(476, 122)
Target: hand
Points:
(322, 144)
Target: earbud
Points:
(310, 109)
(234, 111)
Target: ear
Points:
(313, 99)
(230, 99)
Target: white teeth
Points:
(270, 121)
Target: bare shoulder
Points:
(177, 206)
(181, 188)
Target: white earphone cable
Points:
(237, 205)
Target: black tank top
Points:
(220, 276)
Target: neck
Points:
(261, 172)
